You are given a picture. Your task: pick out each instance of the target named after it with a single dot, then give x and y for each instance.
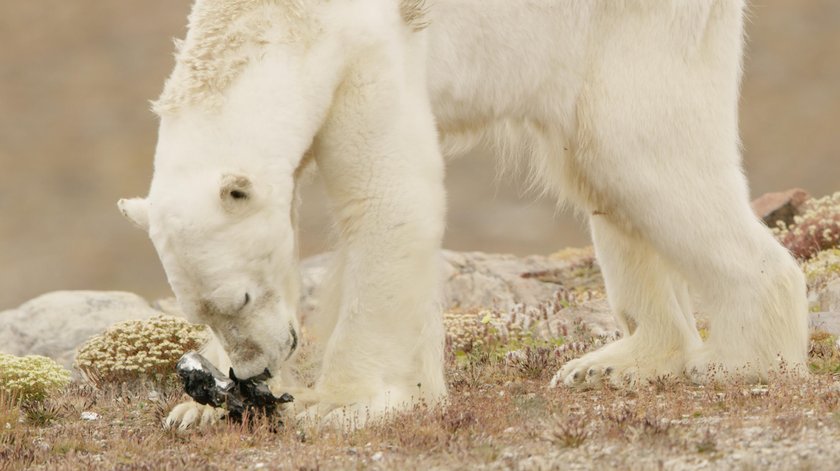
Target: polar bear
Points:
(626, 109)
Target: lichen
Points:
(138, 351)
(31, 378)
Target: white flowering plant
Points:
(817, 229)
(139, 351)
(31, 378)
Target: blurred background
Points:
(76, 134)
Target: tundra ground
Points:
(501, 416)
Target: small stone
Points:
(759, 391)
(88, 415)
(377, 456)
(41, 444)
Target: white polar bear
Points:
(627, 109)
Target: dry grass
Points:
(501, 415)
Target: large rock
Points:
(826, 321)
(55, 324)
(475, 279)
(780, 206)
(534, 287)
(482, 280)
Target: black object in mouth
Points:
(207, 385)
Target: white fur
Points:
(627, 109)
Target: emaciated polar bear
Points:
(627, 109)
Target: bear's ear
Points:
(136, 210)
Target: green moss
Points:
(31, 378)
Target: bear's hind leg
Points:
(648, 303)
(692, 210)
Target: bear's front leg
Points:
(379, 158)
(385, 351)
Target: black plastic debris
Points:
(207, 385)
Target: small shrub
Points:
(707, 444)
(41, 414)
(568, 432)
(138, 351)
(823, 356)
(535, 362)
(31, 378)
(816, 230)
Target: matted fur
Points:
(222, 38)
(224, 35)
(414, 13)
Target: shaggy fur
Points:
(225, 35)
(627, 109)
(414, 13)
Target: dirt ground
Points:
(76, 135)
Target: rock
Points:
(511, 284)
(476, 279)
(826, 321)
(168, 306)
(829, 297)
(780, 206)
(55, 324)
